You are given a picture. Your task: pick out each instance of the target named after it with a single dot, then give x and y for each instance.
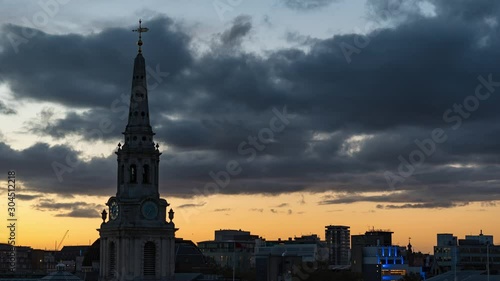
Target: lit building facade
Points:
(387, 263)
(370, 238)
(378, 260)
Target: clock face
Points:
(113, 210)
(149, 210)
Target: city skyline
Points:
(268, 119)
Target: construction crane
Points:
(62, 240)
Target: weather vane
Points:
(140, 30)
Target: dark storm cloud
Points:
(468, 9)
(282, 205)
(241, 27)
(27, 197)
(69, 209)
(40, 165)
(349, 123)
(307, 4)
(99, 64)
(434, 205)
(222, 210)
(81, 213)
(95, 124)
(4, 109)
(191, 205)
(434, 195)
(301, 40)
(51, 205)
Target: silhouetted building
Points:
(43, 261)
(474, 252)
(388, 262)
(23, 258)
(72, 257)
(338, 241)
(308, 248)
(291, 259)
(231, 234)
(231, 248)
(307, 239)
(137, 241)
(279, 266)
(91, 257)
(189, 258)
(370, 238)
(60, 274)
(374, 255)
(481, 238)
(445, 253)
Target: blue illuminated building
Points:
(380, 260)
(387, 263)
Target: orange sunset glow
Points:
(250, 140)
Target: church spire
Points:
(138, 130)
(137, 242)
(138, 157)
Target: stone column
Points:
(104, 258)
(137, 258)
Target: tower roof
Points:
(138, 132)
(138, 157)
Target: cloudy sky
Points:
(368, 113)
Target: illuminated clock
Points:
(149, 210)
(113, 210)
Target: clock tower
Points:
(137, 241)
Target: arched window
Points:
(149, 259)
(112, 259)
(145, 174)
(122, 173)
(133, 174)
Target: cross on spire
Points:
(140, 30)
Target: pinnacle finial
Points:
(140, 30)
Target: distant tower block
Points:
(137, 241)
(338, 240)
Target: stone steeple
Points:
(138, 120)
(137, 241)
(141, 179)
